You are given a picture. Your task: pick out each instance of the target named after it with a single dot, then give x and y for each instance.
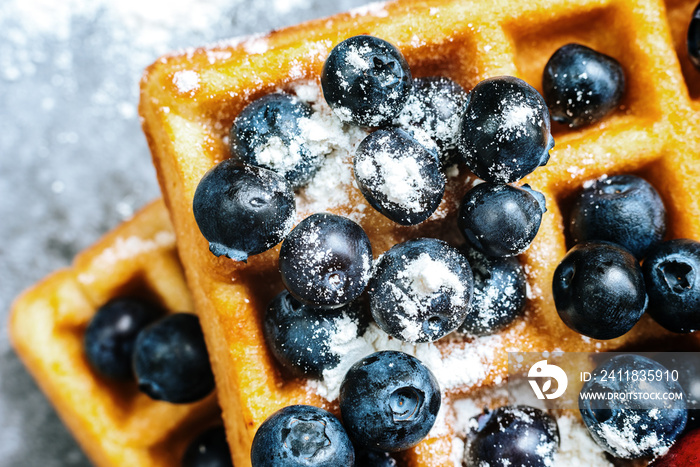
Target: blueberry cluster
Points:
(130, 338)
(600, 290)
(423, 289)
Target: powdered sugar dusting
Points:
(186, 81)
(460, 366)
(327, 135)
(126, 248)
(374, 9)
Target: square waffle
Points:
(652, 134)
(114, 423)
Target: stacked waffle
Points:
(190, 100)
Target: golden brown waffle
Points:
(653, 134)
(114, 423)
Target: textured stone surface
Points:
(73, 160)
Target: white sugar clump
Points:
(397, 176)
(576, 445)
(277, 156)
(428, 276)
(460, 367)
(327, 135)
(626, 441)
(186, 81)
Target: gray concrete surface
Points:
(73, 160)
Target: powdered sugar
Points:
(458, 366)
(186, 81)
(326, 134)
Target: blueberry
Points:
(243, 210)
(513, 435)
(505, 130)
(269, 133)
(209, 449)
(326, 260)
(398, 176)
(368, 458)
(622, 209)
(303, 436)
(300, 336)
(389, 401)
(432, 113)
(171, 362)
(694, 38)
(599, 290)
(420, 290)
(366, 81)
(110, 336)
(499, 294)
(632, 427)
(500, 220)
(672, 275)
(581, 85)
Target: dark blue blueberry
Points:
(171, 362)
(513, 435)
(209, 449)
(368, 458)
(243, 210)
(110, 336)
(505, 132)
(622, 209)
(398, 176)
(389, 401)
(420, 290)
(326, 260)
(631, 427)
(599, 290)
(299, 336)
(581, 85)
(433, 112)
(694, 38)
(366, 81)
(672, 275)
(500, 220)
(268, 133)
(499, 294)
(301, 436)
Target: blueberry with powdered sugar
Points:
(513, 435)
(398, 176)
(500, 288)
(505, 131)
(646, 421)
(366, 81)
(326, 260)
(268, 133)
(300, 336)
(243, 210)
(432, 114)
(421, 290)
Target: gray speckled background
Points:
(73, 160)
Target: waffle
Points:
(190, 99)
(115, 424)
